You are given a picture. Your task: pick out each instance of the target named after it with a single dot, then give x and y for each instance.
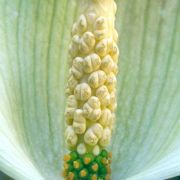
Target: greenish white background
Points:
(34, 38)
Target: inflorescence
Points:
(91, 92)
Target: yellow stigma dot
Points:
(83, 173)
(71, 176)
(107, 177)
(67, 157)
(104, 161)
(76, 164)
(87, 160)
(66, 166)
(94, 177)
(110, 154)
(64, 173)
(95, 167)
(108, 168)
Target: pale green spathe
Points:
(34, 38)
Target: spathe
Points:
(34, 36)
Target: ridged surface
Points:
(35, 45)
(32, 40)
(148, 116)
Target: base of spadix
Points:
(87, 166)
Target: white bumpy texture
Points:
(91, 86)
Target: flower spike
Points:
(91, 90)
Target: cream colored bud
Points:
(73, 49)
(104, 46)
(113, 104)
(81, 148)
(91, 17)
(69, 121)
(115, 69)
(70, 136)
(70, 107)
(96, 150)
(106, 137)
(82, 91)
(114, 52)
(88, 38)
(94, 102)
(97, 129)
(101, 48)
(68, 92)
(115, 35)
(74, 29)
(90, 138)
(77, 67)
(87, 42)
(106, 118)
(69, 113)
(107, 64)
(71, 101)
(72, 83)
(114, 7)
(113, 107)
(79, 123)
(82, 24)
(91, 63)
(91, 109)
(111, 82)
(100, 28)
(100, 34)
(76, 39)
(103, 95)
(74, 46)
(97, 79)
(93, 134)
(100, 23)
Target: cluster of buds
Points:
(91, 87)
(87, 166)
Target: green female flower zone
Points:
(69, 107)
